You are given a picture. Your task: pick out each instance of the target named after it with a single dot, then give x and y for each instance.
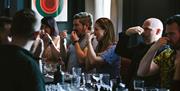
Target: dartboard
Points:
(49, 7)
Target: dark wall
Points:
(136, 11)
(74, 6)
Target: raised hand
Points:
(90, 36)
(161, 42)
(74, 36)
(134, 30)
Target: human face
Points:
(78, 27)
(172, 32)
(99, 32)
(149, 32)
(46, 28)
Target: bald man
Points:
(147, 35)
(167, 63)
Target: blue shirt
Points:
(112, 61)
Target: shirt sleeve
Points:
(163, 56)
(122, 45)
(109, 55)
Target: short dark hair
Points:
(23, 23)
(4, 20)
(174, 19)
(85, 18)
(51, 23)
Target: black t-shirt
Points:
(136, 52)
(19, 70)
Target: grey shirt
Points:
(73, 59)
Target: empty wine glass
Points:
(83, 87)
(98, 79)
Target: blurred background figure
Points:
(38, 47)
(5, 26)
(103, 58)
(18, 66)
(63, 46)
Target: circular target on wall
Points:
(49, 7)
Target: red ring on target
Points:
(49, 6)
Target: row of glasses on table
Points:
(139, 86)
(85, 82)
(82, 82)
(96, 82)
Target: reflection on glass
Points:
(138, 85)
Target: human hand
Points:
(134, 30)
(46, 39)
(161, 42)
(74, 36)
(63, 34)
(90, 36)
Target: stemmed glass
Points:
(83, 87)
(98, 79)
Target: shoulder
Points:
(164, 55)
(15, 52)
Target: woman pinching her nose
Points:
(103, 57)
(51, 40)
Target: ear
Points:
(158, 31)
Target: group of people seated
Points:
(153, 58)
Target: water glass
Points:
(76, 71)
(150, 89)
(106, 79)
(76, 79)
(138, 85)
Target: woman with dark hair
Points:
(49, 22)
(49, 35)
(51, 40)
(103, 58)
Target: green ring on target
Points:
(41, 11)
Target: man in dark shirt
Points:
(19, 70)
(150, 32)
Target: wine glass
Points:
(83, 87)
(98, 79)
